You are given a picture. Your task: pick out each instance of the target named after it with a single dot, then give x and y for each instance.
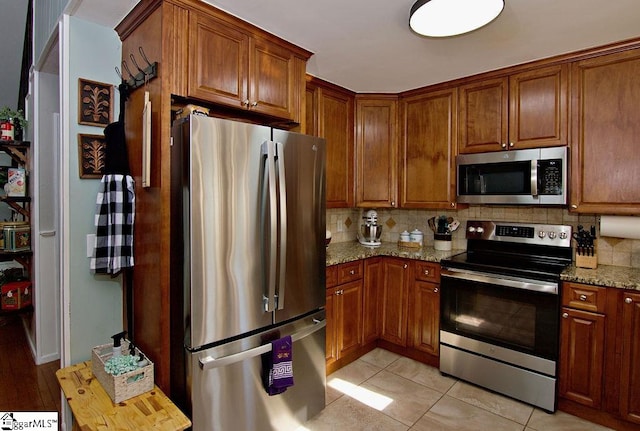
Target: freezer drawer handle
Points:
(208, 362)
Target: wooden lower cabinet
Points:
(424, 317)
(395, 276)
(581, 356)
(600, 355)
(630, 358)
(371, 299)
(344, 308)
(344, 312)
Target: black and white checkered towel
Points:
(115, 211)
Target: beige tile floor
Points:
(385, 391)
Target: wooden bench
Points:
(93, 409)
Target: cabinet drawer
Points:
(332, 276)
(427, 271)
(349, 272)
(584, 297)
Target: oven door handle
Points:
(503, 280)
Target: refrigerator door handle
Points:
(270, 244)
(282, 219)
(208, 362)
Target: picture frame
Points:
(95, 103)
(91, 155)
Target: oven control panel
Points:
(544, 234)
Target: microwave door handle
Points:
(534, 178)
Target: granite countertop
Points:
(620, 277)
(604, 275)
(343, 252)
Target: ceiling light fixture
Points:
(442, 18)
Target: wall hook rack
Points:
(142, 77)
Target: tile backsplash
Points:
(344, 225)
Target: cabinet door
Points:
(428, 150)
(271, 79)
(371, 299)
(218, 61)
(349, 304)
(376, 149)
(484, 114)
(331, 352)
(424, 317)
(395, 274)
(538, 108)
(630, 369)
(581, 357)
(605, 129)
(333, 120)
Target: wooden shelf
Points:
(18, 150)
(27, 309)
(17, 203)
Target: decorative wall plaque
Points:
(95, 107)
(91, 155)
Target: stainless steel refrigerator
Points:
(249, 210)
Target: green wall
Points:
(95, 300)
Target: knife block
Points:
(590, 262)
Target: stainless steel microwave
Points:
(525, 177)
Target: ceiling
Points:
(366, 45)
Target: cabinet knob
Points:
(575, 207)
(565, 315)
(393, 203)
(510, 144)
(254, 104)
(436, 290)
(339, 292)
(628, 300)
(426, 272)
(504, 145)
(452, 204)
(352, 272)
(405, 266)
(583, 297)
(245, 102)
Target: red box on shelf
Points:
(16, 295)
(10, 297)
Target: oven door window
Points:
(506, 178)
(518, 319)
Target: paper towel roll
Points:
(620, 226)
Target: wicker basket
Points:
(124, 386)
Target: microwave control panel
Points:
(550, 177)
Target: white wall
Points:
(45, 336)
(93, 303)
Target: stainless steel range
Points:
(500, 309)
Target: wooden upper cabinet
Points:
(218, 61)
(376, 151)
(605, 176)
(272, 78)
(231, 66)
(538, 107)
(484, 115)
(428, 149)
(523, 110)
(332, 118)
